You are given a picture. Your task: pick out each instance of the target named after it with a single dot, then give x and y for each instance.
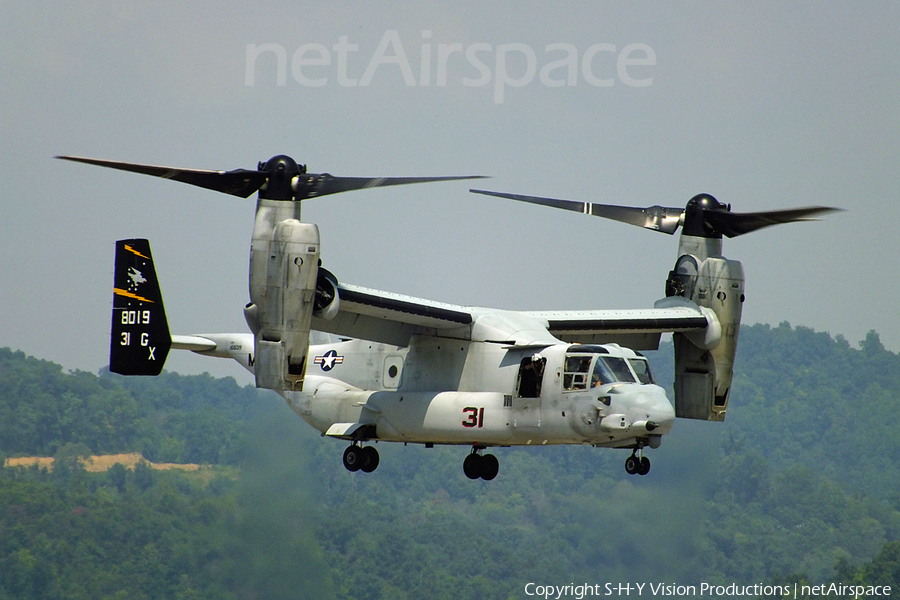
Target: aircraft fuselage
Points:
(445, 391)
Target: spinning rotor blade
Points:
(239, 182)
(735, 224)
(704, 216)
(279, 178)
(324, 184)
(656, 218)
(564, 204)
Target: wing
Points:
(638, 329)
(393, 319)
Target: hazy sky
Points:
(765, 105)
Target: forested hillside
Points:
(800, 483)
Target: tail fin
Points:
(140, 335)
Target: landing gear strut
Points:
(361, 458)
(635, 464)
(485, 466)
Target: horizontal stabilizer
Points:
(194, 343)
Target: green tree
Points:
(884, 569)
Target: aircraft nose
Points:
(656, 414)
(662, 412)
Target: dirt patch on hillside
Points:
(97, 464)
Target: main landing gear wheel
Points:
(363, 459)
(645, 466)
(481, 466)
(369, 459)
(637, 465)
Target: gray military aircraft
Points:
(417, 371)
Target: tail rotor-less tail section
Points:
(140, 334)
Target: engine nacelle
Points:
(283, 274)
(703, 374)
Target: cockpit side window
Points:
(575, 372)
(642, 369)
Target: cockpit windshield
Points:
(585, 370)
(641, 368)
(611, 369)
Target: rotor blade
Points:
(239, 182)
(312, 186)
(735, 224)
(563, 204)
(656, 218)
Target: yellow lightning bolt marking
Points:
(127, 294)
(133, 251)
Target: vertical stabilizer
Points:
(140, 337)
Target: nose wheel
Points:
(361, 458)
(477, 465)
(637, 465)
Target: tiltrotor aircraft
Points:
(422, 372)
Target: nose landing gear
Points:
(637, 465)
(485, 466)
